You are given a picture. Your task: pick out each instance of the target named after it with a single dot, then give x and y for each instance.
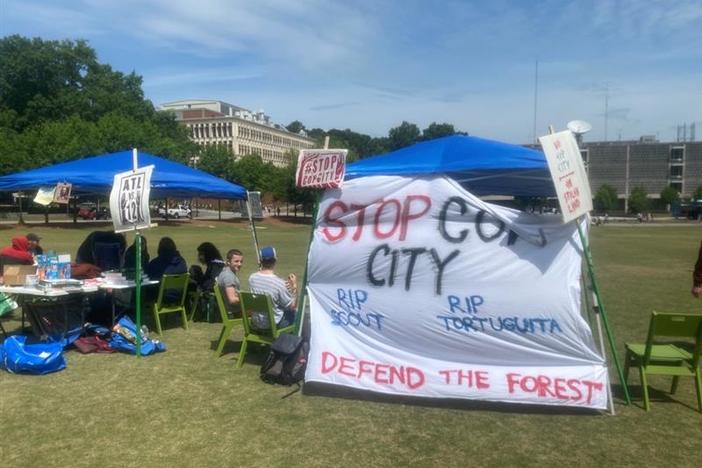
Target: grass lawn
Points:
(186, 408)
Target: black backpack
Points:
(287, 361)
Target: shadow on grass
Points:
(68, 224)
(293, 219)
(337, 391)
(244, 221)
(657, 396)
(256, 354)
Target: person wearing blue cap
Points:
(283, 294)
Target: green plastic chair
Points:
(657, 357)
(7, 305)
(179, 282)
(228, 324)
(258, 303)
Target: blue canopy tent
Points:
(484, 167)
(95, 175)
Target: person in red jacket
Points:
(17, 254)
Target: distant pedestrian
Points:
(697, 275)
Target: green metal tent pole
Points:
(602, 312)
(137, 278)
(137, 272)
(303, 290)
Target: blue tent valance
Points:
(484, 167)
(95, 175)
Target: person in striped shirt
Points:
(283, 294)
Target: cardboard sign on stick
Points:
(321, 168)
(129, 199)
(568, 173)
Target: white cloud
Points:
(318, 34)
(48, 19)
(170, 78)
(368, 65)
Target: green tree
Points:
(438, 130)
(217, 160)
(251, 172)
(638, 200)
(295, 195)
(605, 198)
(318, 135)
(280, 178)
(295, 126)
(670, 195)
(57, 103)
(51, 80)
(405, 135)
(698, 193)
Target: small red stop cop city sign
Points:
(321, 168)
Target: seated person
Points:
(229, 283)
(167, 262)
(17, 254)
(283, 294)
(34, 246)
(129, 262)
(105, 249)
(208, 255)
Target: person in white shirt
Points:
(283, 294)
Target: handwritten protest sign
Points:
(321, 168)
(129, 199)
(419, 288)
(568, 173)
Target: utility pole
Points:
(536, 97)
(606, 113)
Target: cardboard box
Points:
(14, 275)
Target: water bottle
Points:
(125, 333)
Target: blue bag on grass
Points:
(120, 343)
(18, 357)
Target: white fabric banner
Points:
(417, 287)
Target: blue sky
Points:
(368, 65)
